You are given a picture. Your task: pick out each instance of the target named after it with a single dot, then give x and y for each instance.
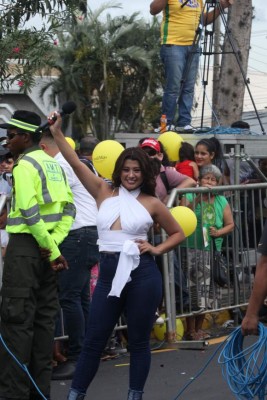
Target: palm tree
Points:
(109, 60)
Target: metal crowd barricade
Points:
(249, 207)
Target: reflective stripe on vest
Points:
(27, 219)
(30, 212)
(70, 210)
(33, 220)
(46, 195)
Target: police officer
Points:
(41, 214)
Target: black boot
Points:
(135, 395)
(73, 395)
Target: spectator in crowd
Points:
(4, 235)
(6, 164)
(80, 249)
(220, 162)
(186, 164)
(165, 159)
(180, 55)
(214, 221)
(41, 214)
(204, 152)
(129, 278)
(209, 151)
(87, 145)
(167, 178)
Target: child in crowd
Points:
(187, 164)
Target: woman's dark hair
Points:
(137, 154)
(210, 146)
(186, 152)
(218, 159)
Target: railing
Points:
(249, 207)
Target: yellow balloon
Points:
(186, 218)
(171, 142)
(71, 142)
(160, 329)
(105, 155)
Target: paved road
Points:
(171, 369)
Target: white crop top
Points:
(135, 221)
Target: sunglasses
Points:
(11, 136)
(150, 152)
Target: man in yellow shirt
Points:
(40, 217)
(180, 54)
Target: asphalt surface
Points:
(171, 370)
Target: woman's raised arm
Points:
(95, 185)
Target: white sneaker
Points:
(185, 129)
(168, 128)
(159, 321)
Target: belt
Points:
(84, 228)
(110, 252)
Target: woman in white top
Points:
(129, 279)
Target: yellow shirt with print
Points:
(179, 24)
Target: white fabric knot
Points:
(129, 260)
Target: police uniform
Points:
(41, 214)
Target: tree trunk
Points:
(231, 85)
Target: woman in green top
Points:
(214, 220)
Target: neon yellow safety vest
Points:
(42, 202)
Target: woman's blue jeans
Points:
(139, 300)
(181, 67)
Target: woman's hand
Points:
(214, 232)
(145, 247)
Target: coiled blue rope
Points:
(245, 369)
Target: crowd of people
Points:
(64, 219)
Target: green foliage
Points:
(110, 68)
(15, 12)
(22, 55)
(27, 52)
